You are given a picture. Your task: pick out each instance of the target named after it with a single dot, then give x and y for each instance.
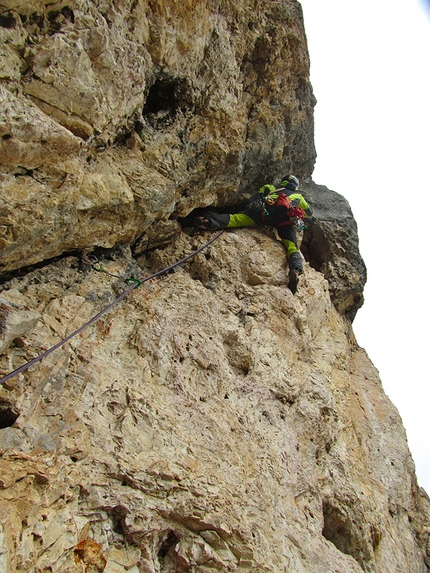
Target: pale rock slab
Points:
(210, 422)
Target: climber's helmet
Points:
(290, 182)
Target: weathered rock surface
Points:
(330, 244)
(211, 421)
(15, 319)
(117, 115)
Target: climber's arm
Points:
(297, 200)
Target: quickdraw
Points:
(97, 266)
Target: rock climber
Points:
(281, 207)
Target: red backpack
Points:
(293, 213)
(283, 200)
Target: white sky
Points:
(371, 76)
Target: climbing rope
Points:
(135, 283)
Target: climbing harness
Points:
(298, 223)
(296, 216)
(134, 283)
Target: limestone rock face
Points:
(116, 115)
(210, 421)
(330, 244)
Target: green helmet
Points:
(290, 182)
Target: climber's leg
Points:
(224, 220)
(295, 262)
(240, 220)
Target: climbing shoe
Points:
(203, 222)
(293, 279)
